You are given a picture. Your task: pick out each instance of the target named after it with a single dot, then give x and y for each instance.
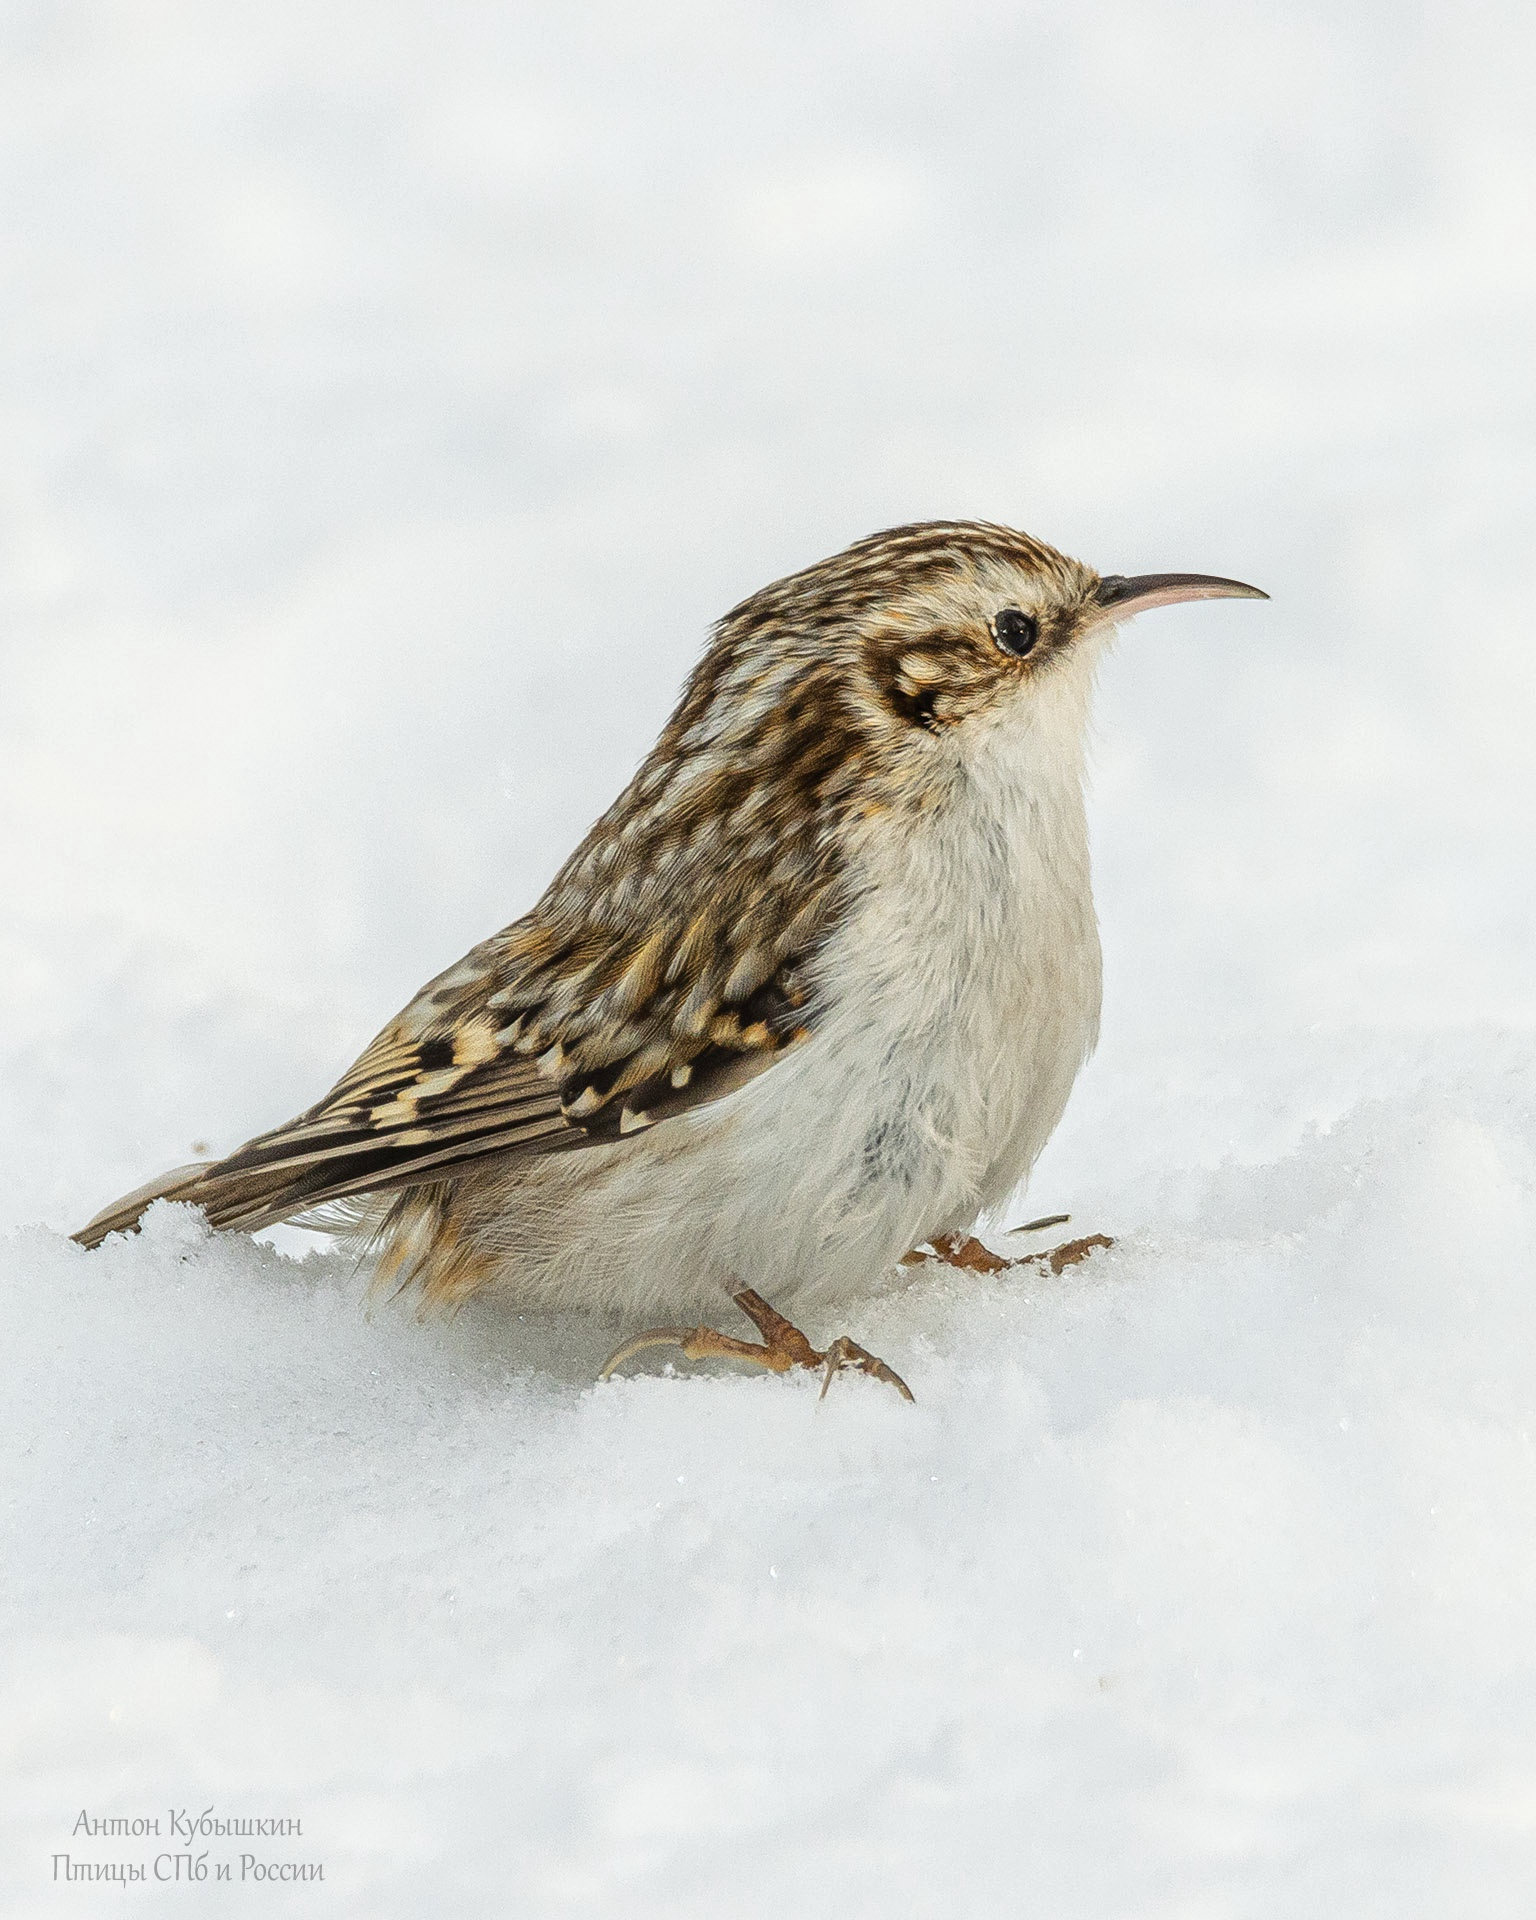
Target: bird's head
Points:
(908, 650)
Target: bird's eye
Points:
(1015, 631)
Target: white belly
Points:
(961, 997)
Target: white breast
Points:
(974, 982)
(960, 998)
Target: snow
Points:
(1198, 1580)
(390, 398)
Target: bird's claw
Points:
(844, 1352)
(966, 1251)
(652, 1337)
(783, 1346)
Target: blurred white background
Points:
(393, 394)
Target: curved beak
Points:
(1118, 597)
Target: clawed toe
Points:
(964, 1250)
(1069, 1253)
(783, 1346)
(695, 1343)
(652, 1337)
(843, 1352)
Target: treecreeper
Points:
(808, 999)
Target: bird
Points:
(808, 999)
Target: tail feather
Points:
(248, 1191)
(246, 1200)
(123, 1215)
(414, 1235)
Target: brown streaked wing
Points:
(668, 962)
(492, 1073)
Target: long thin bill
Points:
(1120, 596)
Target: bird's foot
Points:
(784, 1346)
(965, 1250)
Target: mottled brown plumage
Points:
(666, 963)
(837, 719)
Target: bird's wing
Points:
(539, 1041)
(671, 959)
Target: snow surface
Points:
(1199, 1580)
(389, 396)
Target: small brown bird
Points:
(811, 993)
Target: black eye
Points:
(1015, 631)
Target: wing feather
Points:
(672, 959)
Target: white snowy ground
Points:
(1199, 1581)
(389, 396)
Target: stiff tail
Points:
(411, 1112)
(123, 1215)
(416, 1237)
(247, 1199)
